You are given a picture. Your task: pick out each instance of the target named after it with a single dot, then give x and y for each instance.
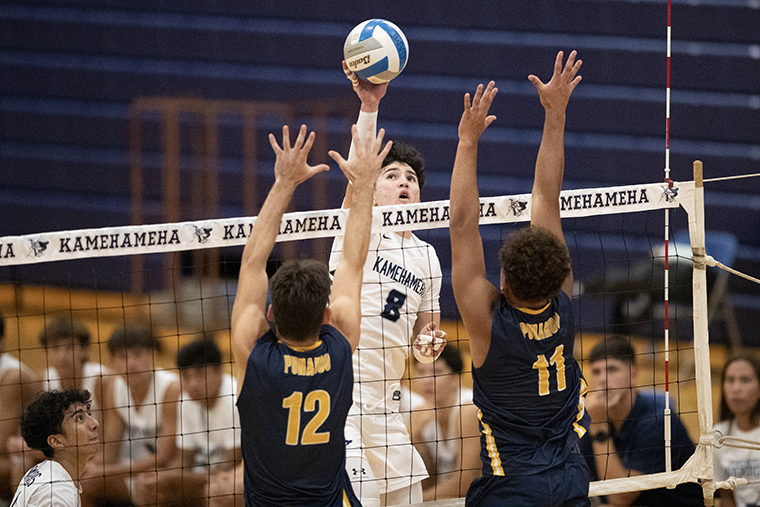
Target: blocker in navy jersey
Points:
(293, 406)
(533, 414)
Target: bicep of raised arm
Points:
(475, 298)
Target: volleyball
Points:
(376, 50)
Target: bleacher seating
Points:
(69, 72)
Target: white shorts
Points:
(383, 441)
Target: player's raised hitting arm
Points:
(474, 294)
(550, 163)
(370, 95)
(249, 321)
(363, 170)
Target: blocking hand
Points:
(291, 165)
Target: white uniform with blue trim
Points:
(402, 277)
(47, 484)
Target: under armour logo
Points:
(357, 472)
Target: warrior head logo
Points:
(38, 247)
(517, 207)
(202, 234)
(670, 194)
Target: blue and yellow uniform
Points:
(293, 407)
(530, 393)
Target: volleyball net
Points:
(179, 280)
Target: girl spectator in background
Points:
(739, 417)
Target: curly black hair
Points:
(407, 154)
(535, 263)
(45, 415)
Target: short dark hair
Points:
(407, 154)
(535, 263)
(65, 327)
(133, 337)
(300, 292)
(725, 413)
(45, 415)
(614, 347)
(452, 357)
(203, 352)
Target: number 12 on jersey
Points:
(542, 365)
(311, 435)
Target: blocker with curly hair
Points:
(535, 264)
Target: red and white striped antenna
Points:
(668, 464)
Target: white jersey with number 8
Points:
(402, 277)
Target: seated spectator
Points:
(17, 383)
(739, 417)
(61, 426)
(444, 428)
(67, 343)
(209, 436)
(141, 420)
(627, 433)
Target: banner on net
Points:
(173, 237)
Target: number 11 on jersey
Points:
(542, 365)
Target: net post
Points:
(701, 335)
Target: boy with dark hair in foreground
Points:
(60, 424)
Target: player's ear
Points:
(327, 316)
(55, 441)
(270, 313)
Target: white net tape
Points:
(175, 237)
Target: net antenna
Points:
(668, 457)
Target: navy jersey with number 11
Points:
(293, 406)
(530, 389)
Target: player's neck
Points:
(73, 462)
(298, 344)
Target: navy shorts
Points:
(563, 485)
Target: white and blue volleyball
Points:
(376, 50)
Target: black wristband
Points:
(601, 436)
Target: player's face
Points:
(202, 382)
(612, 374)
(741, 388)
(67, 356)
(397, 184)
(137, 360)
(436, 381)
(80, 430)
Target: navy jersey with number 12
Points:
(293, 406)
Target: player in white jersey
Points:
(60, 424)
(401, 286)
